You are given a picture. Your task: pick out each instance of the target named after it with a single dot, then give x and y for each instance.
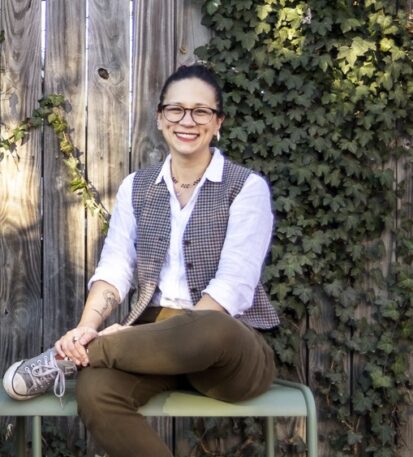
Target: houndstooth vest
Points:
(202, 242)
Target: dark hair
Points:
(194, 71)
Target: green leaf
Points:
(263, 11)
(350, 24)
(248, 40)
(18, 134)
(66, 147)
(324, 62)
(379, 379)
(406, 284)
(386, 44)
(386, 343)
(212, 6)
(52, 118)
(361, 402)
(354, 438)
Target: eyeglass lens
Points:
(198, 115)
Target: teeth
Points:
(187, 135)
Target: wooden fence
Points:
(109, 59)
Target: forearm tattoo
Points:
(108, 305)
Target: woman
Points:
(191, 235)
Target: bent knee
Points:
(222, 329)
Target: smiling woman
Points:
(190, 235)
(189, 119)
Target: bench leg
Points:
(20, 436)
(312, 438)
(37, 436)
(269, 437)
(311, 423)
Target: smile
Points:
(186, 136)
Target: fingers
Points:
(112, 329)
(81, 357)
(72, 344)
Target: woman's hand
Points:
(208, 303)
(73, 344)
(113, 329)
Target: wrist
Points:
(90, 326)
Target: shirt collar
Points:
(213, 172)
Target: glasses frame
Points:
(191, 110)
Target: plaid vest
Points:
(203, 239)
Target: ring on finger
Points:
(74, 339)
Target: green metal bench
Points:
(283, 399)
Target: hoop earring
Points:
(218, 136)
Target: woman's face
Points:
(186, 137)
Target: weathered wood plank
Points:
(363, 311)
(108, 110)
(64, 223)
(406, 442)
(405, 173)
(319, 361)
(154, 52)
(20, 214)
(190, 33)
(108, 114)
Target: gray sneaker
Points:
(30, 378)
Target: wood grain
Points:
(64, 215)
(319, 360)
(20, 209)
(108, 111)
(190, 33)
(64, 244)
(405, 174)
(153, 61)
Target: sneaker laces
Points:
(48, 370)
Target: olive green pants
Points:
(169, 349)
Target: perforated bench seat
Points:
(283, 399)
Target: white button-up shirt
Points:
(246, 243)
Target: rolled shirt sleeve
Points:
(248, 236)
(118, 258)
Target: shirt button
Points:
(189, 265)
(193, 290)
(187, 242)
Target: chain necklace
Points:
(185, 186)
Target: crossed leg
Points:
(216, 354)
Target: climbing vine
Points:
(51, 112)
(319, 98)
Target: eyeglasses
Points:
(201, 115)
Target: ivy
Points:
(54, 442)
(50, 111)
(319, 99)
